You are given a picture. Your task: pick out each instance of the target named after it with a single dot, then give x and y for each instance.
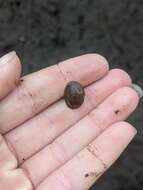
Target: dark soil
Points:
(48, 31)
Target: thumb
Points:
(10, 71)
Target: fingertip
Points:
(122, 75)
(18, 65)
(85, 69)
(7, 58)
(138, 89)
(14, 69)
(128, 127)
(128, 95)
(10, 72)
(135, 95)
(99, 59)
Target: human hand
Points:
(46, 145)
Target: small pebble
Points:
(74, 95)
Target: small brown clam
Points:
(74, 94)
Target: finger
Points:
(10, 70)
(51, 123)
(7, 159)
(14, 180)
(38, 90)
(89, 164)
(11, 177)
(73, 140)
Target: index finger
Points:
(40, 89)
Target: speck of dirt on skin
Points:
(30, 94)
(117, 111)
(86, 175)
(91, 174)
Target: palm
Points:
(54, 147)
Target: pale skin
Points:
(46, 145)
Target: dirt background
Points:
(48, 31)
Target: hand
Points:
(46, 145)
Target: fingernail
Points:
(8, 57)
(138, 89)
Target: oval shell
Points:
(74, 95)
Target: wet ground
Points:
(48, 31)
